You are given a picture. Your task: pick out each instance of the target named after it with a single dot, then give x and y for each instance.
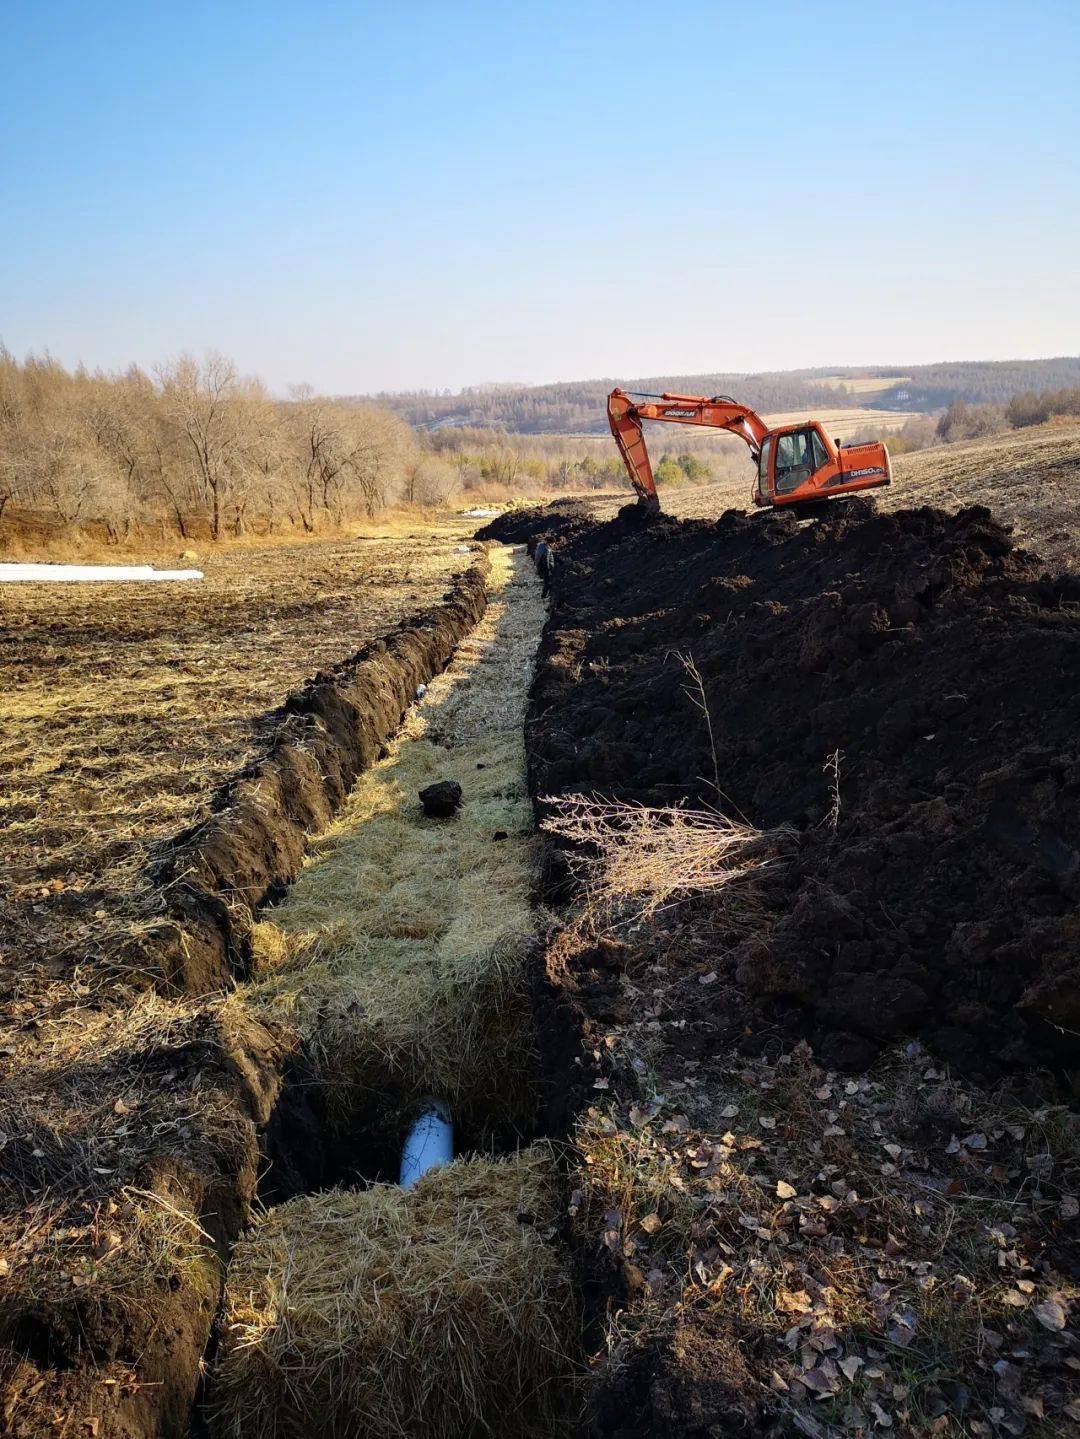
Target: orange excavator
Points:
(796, 464)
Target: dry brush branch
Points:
(645, 858)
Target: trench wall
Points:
(135, 1372)
(216, 874)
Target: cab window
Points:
(763, 468)
(794, 461)
(821, 454)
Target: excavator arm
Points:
(627, 409)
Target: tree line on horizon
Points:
(200, 451)
(579, 407)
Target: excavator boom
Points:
(627, 409)
(796, 464)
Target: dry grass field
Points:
(863, 384)
(847, 421)
(124, 706)
(1029, 478)
(129, 1155)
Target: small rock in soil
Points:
(442, 799)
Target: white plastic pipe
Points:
(430, 1142)
(50, 574)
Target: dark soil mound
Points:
(442, 799)
(939, 892)
(554, 523)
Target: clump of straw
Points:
(641, 858)
(387, 1019)
(439, 1311)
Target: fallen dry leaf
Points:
(1050, 1314)
(797, 1302)
(819, 1382)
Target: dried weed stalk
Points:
(831, 768)
(698, 697)
(643, 858)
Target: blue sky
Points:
(366, 196)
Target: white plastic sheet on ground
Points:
(48, 574)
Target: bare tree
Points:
(202, 402)
(430, 480)
(198, 443)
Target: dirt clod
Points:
(442, 799)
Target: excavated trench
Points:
(399, 953)
(382, 966)
(400, 958)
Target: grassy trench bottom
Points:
(399, 953)
(400, 957)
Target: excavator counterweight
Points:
(796, 464)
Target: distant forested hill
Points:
(977, 381)
(577, 407)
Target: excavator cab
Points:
(792, 458)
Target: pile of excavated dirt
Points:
(768, 1246)
(904, 691)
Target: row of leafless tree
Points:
(202, 449)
